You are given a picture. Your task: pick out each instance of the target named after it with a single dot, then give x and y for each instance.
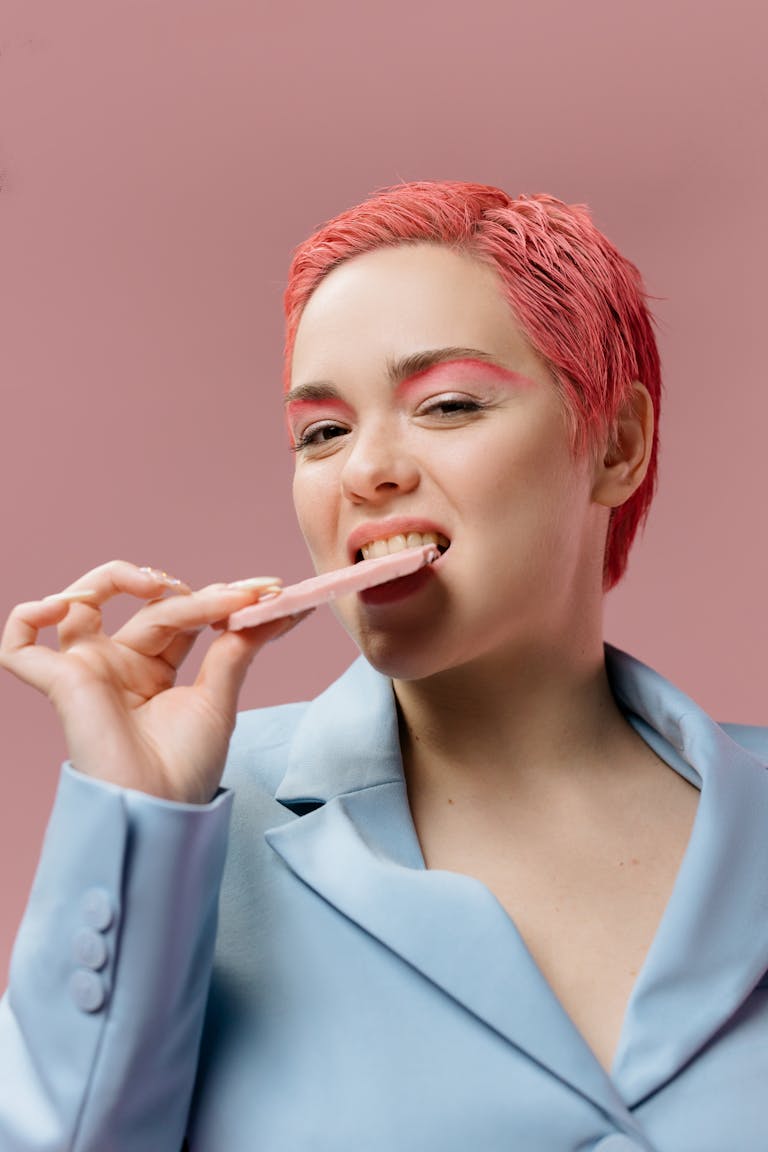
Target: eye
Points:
(450, 405)
(316, 435)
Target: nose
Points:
(378, 467)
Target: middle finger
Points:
(168, 628)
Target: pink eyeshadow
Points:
(317, 407)
(457, 371)
(298, 406)
(460, 371)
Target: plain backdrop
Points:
(159, 161)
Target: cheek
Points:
(504, 476)
(313, 503)
(521, 485)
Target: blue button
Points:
(89, 949)
(97, 909)
(87, 990)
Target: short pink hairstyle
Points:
(581, 304)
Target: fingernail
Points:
(272, 582)
(161, 577)
(75, 594)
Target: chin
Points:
(393, 656)
(398, 665)
(414, 644)
(403, 657)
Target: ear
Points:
(623, 463)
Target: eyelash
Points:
(458, 404)
(307, 440)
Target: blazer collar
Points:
(711, 947)
(346, 739)
(359, 850)
(348, 736)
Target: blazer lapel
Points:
(347, 739)
(359, 851)
(711, 947)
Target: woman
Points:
(500, 886)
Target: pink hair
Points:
(581, 304)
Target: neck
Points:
(541, 715)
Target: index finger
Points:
(90, 590)
(116, 576)
(104, 583)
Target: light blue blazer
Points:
(351, 1000)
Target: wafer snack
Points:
(320, 589)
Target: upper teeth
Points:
(376, 548)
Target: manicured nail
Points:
(74, 595)
(161, 577)
(271, 582)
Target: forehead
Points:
(398, 300)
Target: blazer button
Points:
(97, 909)
(89, 949)
(86, 990)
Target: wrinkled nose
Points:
(378, 468)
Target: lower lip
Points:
(399, 589)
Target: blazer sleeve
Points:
(100, 1026)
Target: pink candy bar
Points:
(320, 589)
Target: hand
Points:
(123, 719)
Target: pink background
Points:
(159, 159)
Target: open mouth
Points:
(375, 548)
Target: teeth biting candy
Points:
(397, 543)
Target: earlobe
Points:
(626, 456)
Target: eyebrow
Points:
(397, 371)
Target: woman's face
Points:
(474, 449)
